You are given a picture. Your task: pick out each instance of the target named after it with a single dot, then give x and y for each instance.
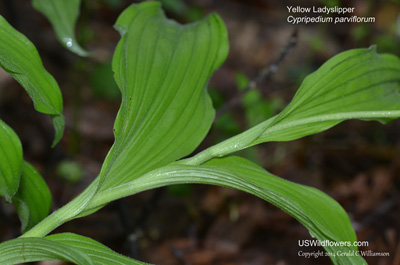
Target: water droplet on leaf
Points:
(68, 42)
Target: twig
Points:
(265, 74)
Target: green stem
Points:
(153, 179)
(64, 214)
(231, 145)
(88, 200)
(259, 133)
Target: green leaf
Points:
(162, 69)
(63, 15)
(71, 210)
(356, 84)
(23, 250)
(19, 57)
(33, 199)
(99, 253)
(319, 213)
(10, 161)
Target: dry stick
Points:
(265, 74)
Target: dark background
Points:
(357, 163)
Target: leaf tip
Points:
(58, 123)
(72, 45)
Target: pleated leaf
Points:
(10, 161)
(19, 57)
(356, 84)
(162, 69)
(319, 213)
(62, 15)
(33, 199)
(23, 250)
(99, 253)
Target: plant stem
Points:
(259, 133)
(231, 145)
(88, 200)
(65, 213)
